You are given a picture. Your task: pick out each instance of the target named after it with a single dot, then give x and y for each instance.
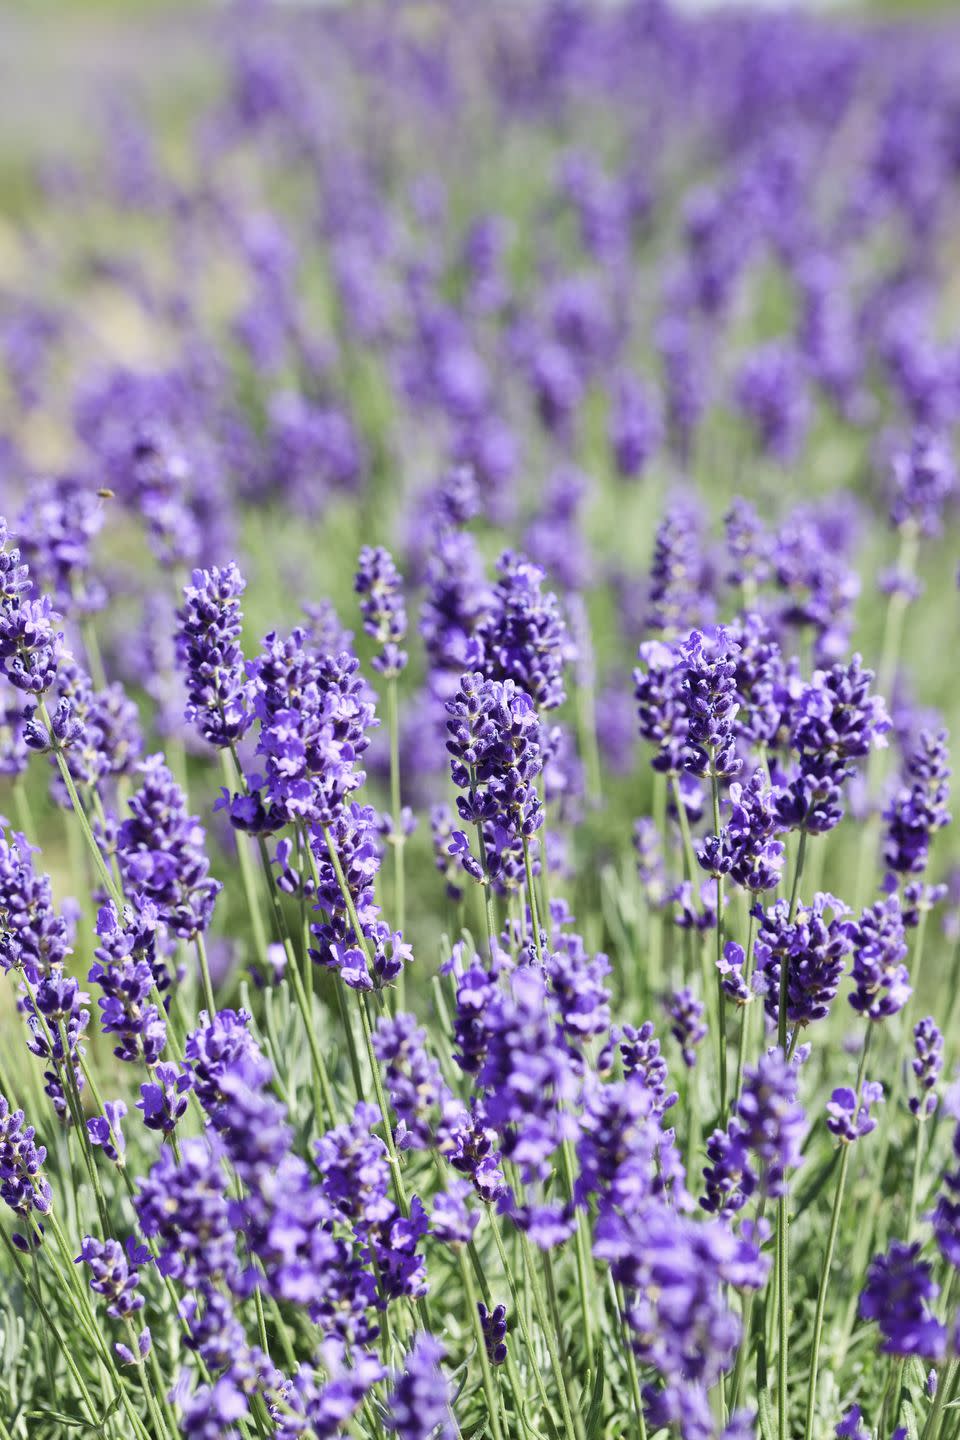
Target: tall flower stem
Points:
(745, 1011)
(233, 774)
(783, 1214)
(397, 837)
(205, 979)
(721, 998)
(553, 1341)
(584, 1269)
(520, 1312)
(828, 1256)
(486, 1370)
(96, 853)
(630, 1359)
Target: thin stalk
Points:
(746, 1011)
(397, 837)
(831, 1246)
(231, 774)
(101, 865)
(206, 981)
(520, 1313)
(783, 1215)
(54, 1331)
(552, 1340)
(631, 1359)
(721, 997)
(486, 1370)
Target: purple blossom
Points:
(897, 1296)
(23, 1186)
(125, 968)
(419, 1404)
(29, 639)
(210, 657)
(523, 637)
(926, 1065)
(813, 947)
(881, 980)
(380, 587)
(848, 1114)
(918, 807)
(687, 1025)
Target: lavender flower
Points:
(210, 657)
(814, 948)
(897, 1296)
(927, 1065)
(848, 1114)
(29, 640)
(523, 636)
(379, 586)
(23, 1186)
(687, 1027)
(419, 1404)
(881, 979)
(494, 1324)
(918, 807)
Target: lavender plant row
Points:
(535, 1017)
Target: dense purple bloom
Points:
(106, 1130)
(745, 848)
(23, 1186)
(687, 1025)
(709, 694)
(918, 807)
(663, 714)
(380, 587)
(640, 1053)
(160, 850)
(184, 1205)
(114, 1274)
(452, 1222)
(771, 390)
(413, 1077)
(218, 1045)
(29, 639)
(35, 937)
(635, 427)
(881, 980)
(748, 546)
(164, 1099)
(897, 1296)
(924, 478)
(56, 528)
(848, 1114)
(523, 636)
(527, 1074)
(676, 598)
(813, 946)
(494, 1324)
(57, 1018)
(209, 654)
(494, 741)
(419, 1404)
(441, 830)
(125, 969)
(625, 1155)
(322, 1408)
(927, 1065)
(772, 1122)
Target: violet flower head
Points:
(709, 694)
(523, 635)
(380, 587)
(184, 1205)
(114, 1274)
(126, 968)
(413, 1079)
(57, 1018)
(772, 393)
(927, 1065)
(745, 848)
(636, 429)
(34, 936)
(849, 1116)
(918, 807)
(772, 1120)
(164, 1100)
(495, 745)
(162, 857)
(664, 717)
(29, 639)
(748, 546)
(676, 596)
(923, 480)
(687, 1024)
(494, 1323)
(814, 946)
(419, 1404)
(23, 1186)
(898, 1296)
(640, 1053)
(881, 979)
(209, 654)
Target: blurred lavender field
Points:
(479, 907)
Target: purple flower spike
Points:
(210, 657)
(849, 1118)
(380, 587)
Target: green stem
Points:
(110, 884)
(631, 1360)
(831, 1246)
(397, 837)
(721, 997)
(207, 983)
(486, 1370)
(233, 773)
